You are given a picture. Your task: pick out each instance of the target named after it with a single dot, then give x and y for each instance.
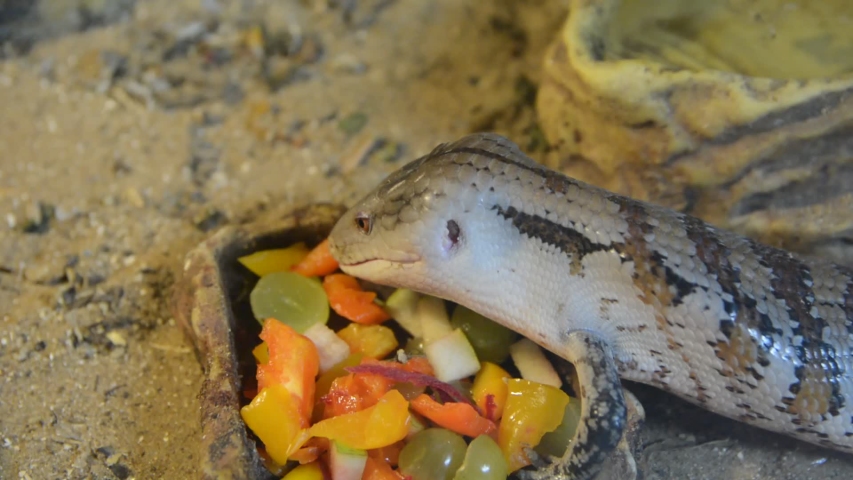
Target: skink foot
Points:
(603, 413)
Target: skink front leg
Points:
(603, 412)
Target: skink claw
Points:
(536, 460)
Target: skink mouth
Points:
(404, 261)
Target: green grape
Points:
(483, 461)
(555, 443)
(490, 340)
(290, 298)
(433, 454)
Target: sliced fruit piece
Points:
(452, 357)
(533, 364)
(330, 347)
(435, 323)
(346, 463)
(402, 305)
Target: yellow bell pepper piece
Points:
(261, 353)
(277, 260)
(309, 471)
(490, 380)
(378, 426)
(532, 410)
(275, 418)
(374, 341)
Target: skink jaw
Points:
(382, 271)
(406, 261)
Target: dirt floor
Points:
(129, 131)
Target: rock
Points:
(748, 134)
(99, 68)
(38, 217)
(116, 338)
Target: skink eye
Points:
(364, 222)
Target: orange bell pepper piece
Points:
(293, 362)
(310, 450)
(415, 364)
(389, 454)
(351, 302)
(458, 417)
(354, 392)
(378, 426)
(351, 394)
(376, 469)
(418, 364)
(324, 383)
(318, 262)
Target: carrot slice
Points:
(461, 418)
(351, 302)
(318, 262)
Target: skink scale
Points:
(618, 287)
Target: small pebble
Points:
(348, 63)
(134, 197)
(61, 213)
(116, 338)
(353, 123)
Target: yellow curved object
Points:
(714, 107)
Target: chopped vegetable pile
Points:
(403, 391)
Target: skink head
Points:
(392, 228)
(425, 220)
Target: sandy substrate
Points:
(124, 145)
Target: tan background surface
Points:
(109, 175)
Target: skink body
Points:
(742, 329)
